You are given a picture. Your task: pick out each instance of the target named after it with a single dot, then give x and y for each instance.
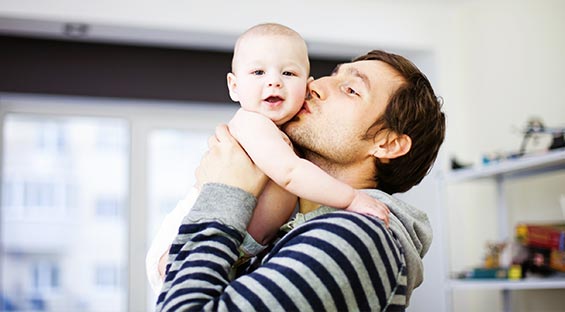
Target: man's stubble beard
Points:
(323, 149)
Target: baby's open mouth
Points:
(274, 99)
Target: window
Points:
(108, 206)
(107, 276)
(53, 175)
(45, 276)
(173, 158)
(50, 137)
(109, 139)
(39, 194)
(85, 184)
(9, 196)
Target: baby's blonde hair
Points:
(269, 29)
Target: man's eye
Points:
(258, 72)
(287, 73)
(351, 91)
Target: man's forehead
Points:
(353, 71)
(371, 70)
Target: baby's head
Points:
(270, 70)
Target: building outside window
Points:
(109, 206)
(107, 276)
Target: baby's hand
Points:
(365, 204)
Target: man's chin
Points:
(291, 123)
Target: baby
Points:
(270, 73)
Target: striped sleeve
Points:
(339, 261)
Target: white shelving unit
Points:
(501, 172)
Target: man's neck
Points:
(358, 176)
(307, 206)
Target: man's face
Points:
(341, 108)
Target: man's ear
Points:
(232, 84)
(392, 146)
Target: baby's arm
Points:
(263, 142)
(274, 207)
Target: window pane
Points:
(173, 158)
(63, 227)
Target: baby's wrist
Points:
(355, 195)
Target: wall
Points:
(508, 67)
(364, 23)
(495, 63)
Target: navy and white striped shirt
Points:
(335, 262)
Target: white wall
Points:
(495, 63)
(354, 26)
(508, 67)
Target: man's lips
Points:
(305, 108)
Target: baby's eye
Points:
(258, 72)
(287, 73)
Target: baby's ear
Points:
(232, 84)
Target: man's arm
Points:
(206, 247)
(339, 261)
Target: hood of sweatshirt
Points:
(414, 232)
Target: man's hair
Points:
(265, 29)
(414, 110)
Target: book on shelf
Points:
(546, 239)
(557, 260)
(550, 236)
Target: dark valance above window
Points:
(46, 66)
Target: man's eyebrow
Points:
(355, 72)
(361, 75)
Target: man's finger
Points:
(222, 133)
(212, 141)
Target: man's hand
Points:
(227, 163)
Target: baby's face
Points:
(270, 76)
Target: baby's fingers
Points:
(384, 207)
(377, 211)
(382, 212)
(385, 218)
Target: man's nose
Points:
(314, 90)
(313, 94)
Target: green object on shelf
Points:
(488, 273)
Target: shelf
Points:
(528, 283)
(512, 168)
(500, 172)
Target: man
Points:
(375, 124)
